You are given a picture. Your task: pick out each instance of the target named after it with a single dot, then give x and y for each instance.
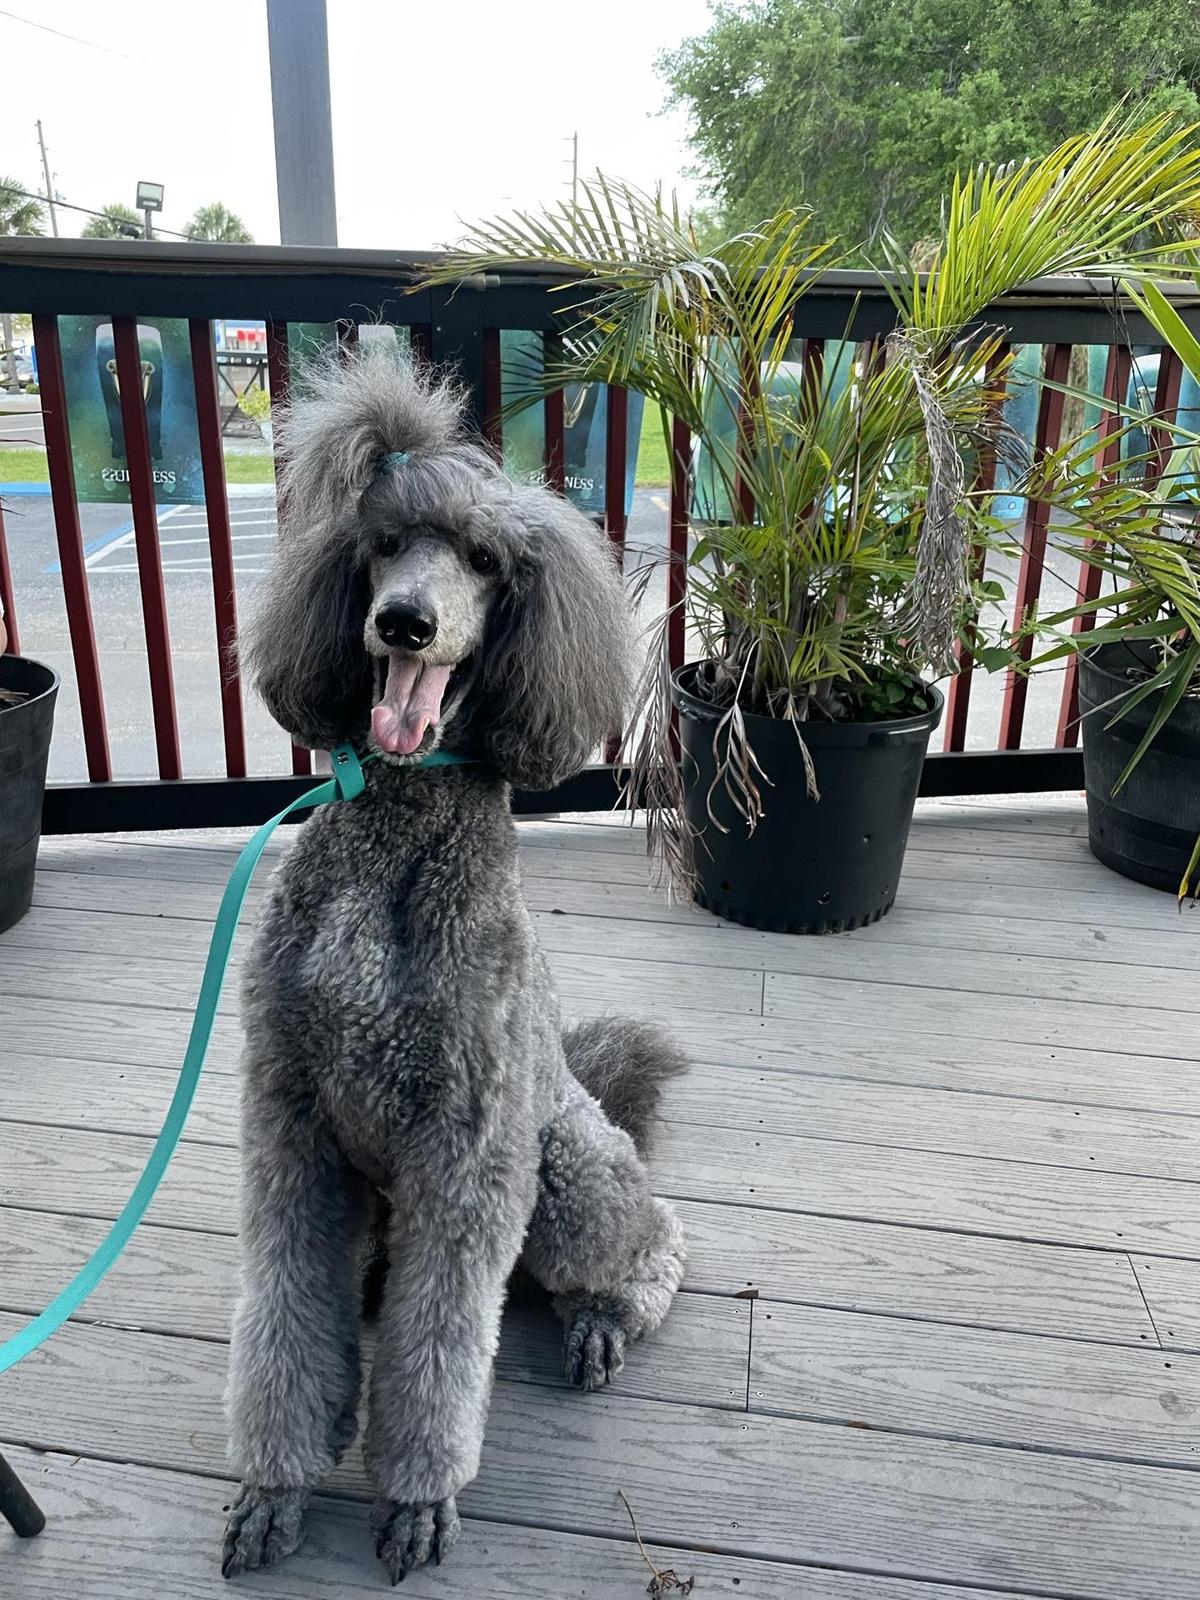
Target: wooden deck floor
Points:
(940, 1335)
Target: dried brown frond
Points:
(941, 582)
(652, 778)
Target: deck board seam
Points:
(1145, 1302)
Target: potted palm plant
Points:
(1138, 639)
(828, 573)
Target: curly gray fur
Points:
(403, 1036)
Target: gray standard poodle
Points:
(405, 1054)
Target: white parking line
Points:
(237, 538)
(234, 522)
(93, 562)
(176, 566)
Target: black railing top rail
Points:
(317, 283)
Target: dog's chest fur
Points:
(394, 963)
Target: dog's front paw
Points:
(264, 1526)
(408, 1534)
(595, 1350)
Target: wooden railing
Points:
(199, 283)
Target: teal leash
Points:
(347, 783)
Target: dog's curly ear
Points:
(556, 677)
(303, 646)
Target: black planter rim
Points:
(773, 730)
(1102, 691)
(40, 667)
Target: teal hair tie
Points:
(397, 458)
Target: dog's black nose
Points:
(405, 624)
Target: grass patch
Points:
(249, 469)
(653, 463)
(29, 465)
(26, 465)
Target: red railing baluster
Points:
(279, 367)
(57, 433)
(1056, 369)
(1116, 389)
(493, 394)
(420, 342)
(958, 696)
(145, 536)
(555, 418)
(220, 542)
(7, 603)
(616, 451)
(1166, 404)
(278, 373)
(812, 372)
(748, 389)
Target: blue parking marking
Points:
(98, 543)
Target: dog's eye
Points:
(483, 560)
(387, 544)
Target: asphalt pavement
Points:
(112, 574)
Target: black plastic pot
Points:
(24, 746)
(809, 866)
(1147, 831)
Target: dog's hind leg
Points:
(610, 1252)
(294, 1363)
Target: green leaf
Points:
(993, 658)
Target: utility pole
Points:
(298, 43)
(49, 185)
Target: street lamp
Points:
(149, 200)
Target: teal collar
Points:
(348, 766)
(448, 758)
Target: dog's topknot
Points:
(347, 415)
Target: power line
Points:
(27, 194)
(73, 37)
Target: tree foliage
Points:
(865, 109)
(18, 213)
(218, 224)
(111, 221)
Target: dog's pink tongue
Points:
(412, 701)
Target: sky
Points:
(442, 112)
